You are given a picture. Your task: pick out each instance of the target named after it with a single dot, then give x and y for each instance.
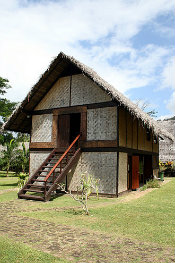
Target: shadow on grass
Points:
(14, 184)
(4, 175)
(57, 195)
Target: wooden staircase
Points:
(42, 184)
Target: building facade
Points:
(119, 143)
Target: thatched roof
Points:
(63, 65)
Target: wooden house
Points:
(79, 123)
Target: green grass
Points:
(8, 196)
(3, 174)
(149, 218)
(16, 252)
(8, 182)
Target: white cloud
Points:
(168, 75)
(33, 33)
(171, 103)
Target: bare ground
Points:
(75, 244)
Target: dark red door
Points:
(63, 131)
(135, 172)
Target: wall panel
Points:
(102, 124)
(41, 128)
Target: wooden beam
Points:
(118, 149)
(69, 110)
(95, 144)
(89, 106)
(42, 145)
(118, 126)
(117, 174)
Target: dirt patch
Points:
(75, 244)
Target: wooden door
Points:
(63, 131)
(135, 172)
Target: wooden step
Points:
(46, 166)
(33, 190)
(38, 180)
(37, 186)
(31, 197)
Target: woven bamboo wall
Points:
(101, 165)
(85, 91)
(167, 147)
(36, 159)
(41, 128)
(58, 95)
(102, 124)
(122, 180)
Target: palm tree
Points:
(9, 154)
(23, 157)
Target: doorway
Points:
(148, 169)
(68, 129)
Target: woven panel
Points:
(41, 128)
(85, 91)
(101, 165)
(58, 95)
(36, 159)
(102, 124)
(122, 179)
(167, 147)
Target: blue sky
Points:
(130, 43)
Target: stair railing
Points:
(59, 162)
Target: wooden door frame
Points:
(69, 110)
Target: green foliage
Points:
(22, 160)
(22, 179)
(23, 137)
(4, 84)
(9, 154)
(6, 107)
(87, 184)
(153, 183)
(5, 137)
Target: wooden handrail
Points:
(61, 158)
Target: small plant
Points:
(87, 184)
(161, 166)
(22, 179)
(153, 183)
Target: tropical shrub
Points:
(153, 183)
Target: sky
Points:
(129, 43)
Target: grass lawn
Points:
(7, 182)
(150, 218)
(124, 228)
(15, 252)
